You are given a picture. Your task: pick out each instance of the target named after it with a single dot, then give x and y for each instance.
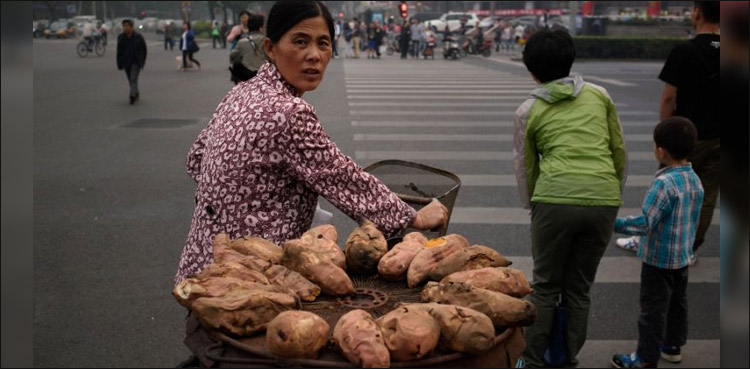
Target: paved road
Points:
(112, 202)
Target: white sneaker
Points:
(693, 260)
(629, 244)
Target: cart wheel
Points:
(99, 48)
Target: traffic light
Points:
(341, 14)
(404, 8)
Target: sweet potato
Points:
(394, 264)
(461, 329)
(296, 334)
(282, 276)
(416, 237)
(191, 289)
(243, 311)
(509, 281)
(326, 231)
(258, 247)
(434, 251)
(472, 257)
(231, 270)
(316, 267)
(224, 254)
(504, 310)
(324, 248)
(360, 340)
(364, 248)
(409, 334)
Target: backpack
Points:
(348, 34)
(247, 56)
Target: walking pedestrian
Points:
(571, 175)
(508, 38)
(335, 41)
(692, 90)
(215, 35)
(240, 30)
(131, 56)
(518, 36)
(188, 46)
(415, 38)
(405, 39)
(668, 224)
(363, 30)
(168, 36)
(355, 37)
(348, 39)
(379, 35)
(224, 30)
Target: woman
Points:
(188, 46)
(240, 30)
(405, 39)
(264, 159)
(371, 41)
(348, 33)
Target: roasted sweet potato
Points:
(317, 267)
(416, 237)
(509, 281)
(326, 231)
(243, 311)
(324, 248)
(282, 276)
(296, 334)
(434, 251)
(360, 340)
(472, 257)
(258, 247)
(191, 289)
(364, 248)
(504, 310)
(225, 254)
(394, 264)
(461, 329)
(231, 270)
(409, 334)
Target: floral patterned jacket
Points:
(261, 164)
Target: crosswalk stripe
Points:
(492, 215)
(489, 180)
(464, 155)
(627, 269)
(463, 137)
(444, 124)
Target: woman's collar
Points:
(271, 74)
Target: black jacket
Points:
(131, 50)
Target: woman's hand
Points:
(432, 216)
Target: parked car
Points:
(453, 20)
(149, 24)
(427, 16)
(488, 22)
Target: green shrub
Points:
(603, 47)
(200, 27)
(203, 35)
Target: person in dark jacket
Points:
(188, 46)
(131, 56)
(405, 39)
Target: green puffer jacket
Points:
(569, 146)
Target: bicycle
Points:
(85, 47)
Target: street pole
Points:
(573, 8)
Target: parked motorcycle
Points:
(469, 47)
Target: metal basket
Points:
(418, 184)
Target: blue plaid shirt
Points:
(670, 216)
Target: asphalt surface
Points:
(112, 201)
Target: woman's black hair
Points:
(286, 14)
(245, 12)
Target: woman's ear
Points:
(268, 48)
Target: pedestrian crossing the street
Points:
(459, 117)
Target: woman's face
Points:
(185, 27)
(302, 54)
(244, 18)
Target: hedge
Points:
(603, 47)
(202, 29)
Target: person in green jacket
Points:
(216, 35)
(570, 164)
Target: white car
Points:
(453, 20)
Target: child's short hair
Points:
(677, 135)
(549, 54)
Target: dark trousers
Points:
(705, 160)
(567, 243)
(188, 55)
(168, 42)
(216, 40)
(132, 73)
(663, 306)
(404, 50)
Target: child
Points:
(669, 222)
(570, 167)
